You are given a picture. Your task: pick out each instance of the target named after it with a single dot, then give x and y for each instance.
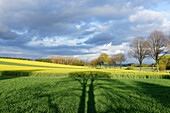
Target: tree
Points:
(95, 62)
(103, 58)
(138, 50)
(168, 43)
(120, 57)
(157, 45)
(111, 61)
(114, 60)
(166, 61)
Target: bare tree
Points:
(120, 57)
(168, 43)
(111, 61)
(157, 45)
(138, 50)
(95, 62)
(114, 60)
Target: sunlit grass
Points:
(68, 95)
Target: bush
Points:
(143, 65)
(44, 60)
(162, 67)
(89, 74)
(168, 67)
(130, 68)
(14, 73)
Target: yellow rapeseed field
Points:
(50, 69)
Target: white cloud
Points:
(10, 53)
(107, 48)
(144, 22)
(143, 16)
(52, 41)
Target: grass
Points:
(29, 86)
(71, 95)
(149, 69)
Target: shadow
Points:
(91, 102)
(38, 94)
(52, 98)
(82, 104)
(117, 96)
(14, 74)
(51, 106)
(158, 92)
(7, 77)
(104, 95)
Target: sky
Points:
(80, 28)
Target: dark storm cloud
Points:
(8, 35)
(5, 33)
(59, 17)
(100, 39)
(42, 51)
(88, 33)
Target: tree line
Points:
(44, 60)
(67, 60)
(155, 46)
(16, 58)
(105, 59)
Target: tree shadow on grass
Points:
(38, 93)
(112, 97)
(83, 96)
(43, 97)
(91, 101)
(7, 77)
(118, 93)
(15, 74)
(123, 100)
(115, 91)
(158, 92)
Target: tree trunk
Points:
(157, 65)
(140, 66)
(120, 65)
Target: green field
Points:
(68, 95)
(27, 86)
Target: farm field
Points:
(148, 69)
(29, 86)
(69, 95)
(33, 68)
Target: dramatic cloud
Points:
(82, 28)
(5, 33)
(100, 39)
